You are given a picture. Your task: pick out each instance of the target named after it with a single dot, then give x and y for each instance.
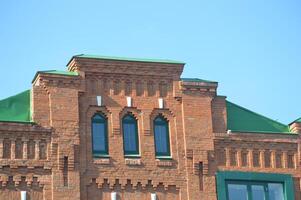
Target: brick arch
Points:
(93, 110)
(130, 110)
(165, 113)
(100, 113)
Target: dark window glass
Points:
(161, 137)
(130, 135)
(254, 190)
(99, 135)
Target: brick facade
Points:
(52, 158)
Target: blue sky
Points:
(251, 47)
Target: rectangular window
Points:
(130, 135)
(252, 190)
(258, 192)
(161, 139)
(237, 192)
(99, 139)
(99, 135)
(237, 185)
(161, 134)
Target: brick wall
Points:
(53, 158)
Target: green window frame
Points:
(161, 136)
(99, 129)
(223, 178)
(130, 135)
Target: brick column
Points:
(157, 91)
(48, 150)
(261, 158)
(144, 88)
(227, 156)
(250, 158)
(37, 149)
(238, 157)
(25, 157)
(285, 164)
(13, 149)
(1, 148)
(273, 158)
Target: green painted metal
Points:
(55, 72)
(127, 59)
(240, 119)
(16, 108)
(223, 176)
(58, 72)
(197, 80)
(297, 121)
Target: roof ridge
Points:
(282, 124)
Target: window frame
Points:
(249, 185)
(133, 121)
(104, 120)
(166, 123)
(223, 176)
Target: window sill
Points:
(101, 156)
(102, 161)
(133, 161)
(164, 157)
(132, 156)
(164, 162)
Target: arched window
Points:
(161, 134)
(99, 135)
(130, 135)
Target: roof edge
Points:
(264, 132)
(126, 59)
(52, 72)
(298, 120)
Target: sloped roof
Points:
(56, 72)
(16, 108)
(240, 119)
(297, 120)
(197, 80)
(126, 59)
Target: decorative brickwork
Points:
(52, 158)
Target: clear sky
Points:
(251, 47)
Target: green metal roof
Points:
(56, 72)
(240, 119)
(196, 80)
(127, 59)
(16, 108)
(296, 121)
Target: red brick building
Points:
(132, 129)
